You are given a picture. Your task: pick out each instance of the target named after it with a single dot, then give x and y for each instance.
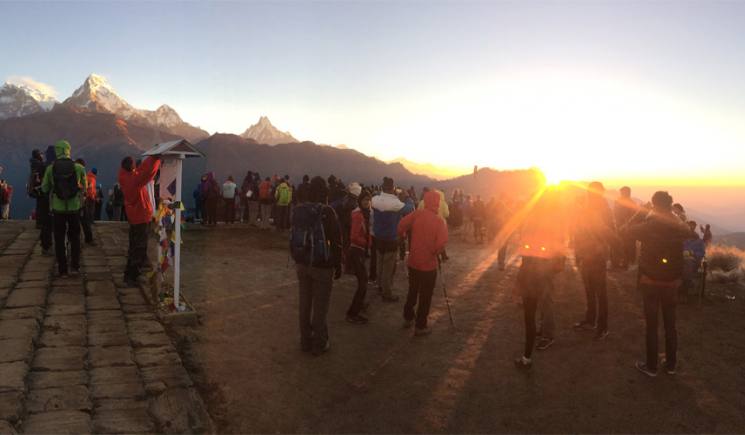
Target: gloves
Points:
(337, 272)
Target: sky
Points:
(643, 91)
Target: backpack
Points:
(32, 185)
(284, 195)
(308, 244)
(265, 191)
(65, 179)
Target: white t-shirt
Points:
(228, 190)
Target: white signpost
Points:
(175, 152)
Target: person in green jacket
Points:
(283, 195)
(66, 181)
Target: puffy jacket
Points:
(283, 195)
(429, 234)
(134, 186)
(265, 192)
(443, 210)
(72, 205)
(90, 191)
(662, 236)
(359, 234)
(387, 211)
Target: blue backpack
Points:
(308, 244)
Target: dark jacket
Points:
(662, 236)
(595, 233)
(37, 174)
(332, 232)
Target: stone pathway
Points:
(85, 354)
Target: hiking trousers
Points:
(313, 305)
(67, 225)
(594, 276)
(421, 287)
(356, 262)
(387, 260)
(137, 254)
(266, 212)
(44, 221)
(658, 298)
(89, 209)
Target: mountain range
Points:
(103, 127)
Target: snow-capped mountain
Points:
(20, 100)
(96, 94)
(264, 132)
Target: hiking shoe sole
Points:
(642, 367)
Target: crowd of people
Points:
(364, 231)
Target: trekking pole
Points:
(445, 292)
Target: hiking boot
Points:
(669, 370)
(357, 319)
(523, 363)
(584, 326)
(324, 349)
(390, 299)
(544, 343)
(601, 335)
(63, 275)
(421, 332)
(642, 367)
(408, 323)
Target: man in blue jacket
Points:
(387, 213)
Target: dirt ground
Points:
(377, 378)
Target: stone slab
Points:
(114, 404)
(171, 375)
(63, 338)
(140, 316)
(130, 309)
(112, 324)
(114, 375)
(65, 298)
(16, 349)
(145, 326)
(140, 339)
(67, 323)
(12, 376)
(65, 310)
(133, 299)
(105, 314)
(122, 421)
(117, 391)
(19, 328)
(29, 284)
(34, 276)
(36, 313)
(109, 302)
(38, 380)
(26, 297)
(110, 356)
(11, 406)
(59, 399)
(101, 288)
(180, 410)
(157, 356)
(4, 292)
(58, 422)
(59, 359)
(119, 338)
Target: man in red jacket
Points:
(429, 235)
(133, 181)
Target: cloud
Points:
(33, 84)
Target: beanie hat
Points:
(355, 189)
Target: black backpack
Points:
(308, 243)
(65, 179)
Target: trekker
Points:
(624, 208)
(246, 192)
(478, 214)
(198, 196)
(387, 211)
(315, 245)
(429, 235)
(65, 180)
(359, 248)
(708, 237)
(6, 194)
(133, 181)
(228, 195)
(283, 196)
(542, 249)
(265, 200)
(89, 205)
(43, 217)
(593, 239)
(694, 251)
(211, 193)
(116, 198)
(302, 190)
(343, 208)
(662, 235)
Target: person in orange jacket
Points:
(133, 181)
(359, 250)
(429, 235)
